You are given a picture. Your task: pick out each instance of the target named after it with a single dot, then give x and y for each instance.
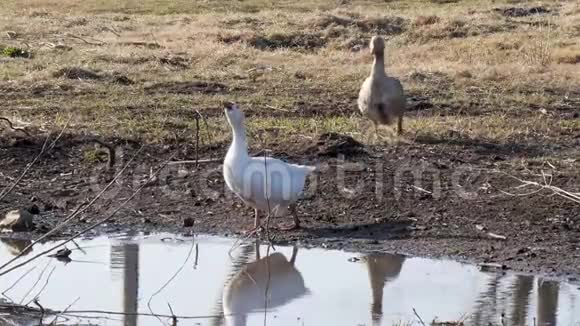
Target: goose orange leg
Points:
(257, 227)
(295, 225)
(400, 126)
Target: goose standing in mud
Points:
(264, 183)
(381, 98)
(246, 292)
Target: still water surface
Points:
(305, 286)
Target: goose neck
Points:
(239, 144)
(378, 69)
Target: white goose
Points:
(264, 183)
(246, 292)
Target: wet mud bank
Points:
(466, 202)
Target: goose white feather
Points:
(264, 183)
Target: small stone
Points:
(65, 252)
(34, 210)
(19, 220)
(188, 222)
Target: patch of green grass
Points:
(14, 52)
(93, 156)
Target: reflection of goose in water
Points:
(237, 263)
(246, 291)
(382, 268)
(15, 246)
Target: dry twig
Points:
(37, 296)
(419, 317)
(547, 185)
(173, 317)
(11, 126)
(496, 236)
(53, 322)
(41, 318)
(16, 282)
(36, 282)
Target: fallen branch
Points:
(11, 126)
(210, 160)
(547, 185)
(496, 236)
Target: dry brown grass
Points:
(297, 67)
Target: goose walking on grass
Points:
(264, 183)
(381, 98)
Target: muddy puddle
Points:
(120, 280)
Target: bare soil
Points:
(448, 217)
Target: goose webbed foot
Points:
(289, 227)
(295, 225)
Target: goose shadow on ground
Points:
(483, 147)
(385, 230)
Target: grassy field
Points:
(473, 70)
(493, 91)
